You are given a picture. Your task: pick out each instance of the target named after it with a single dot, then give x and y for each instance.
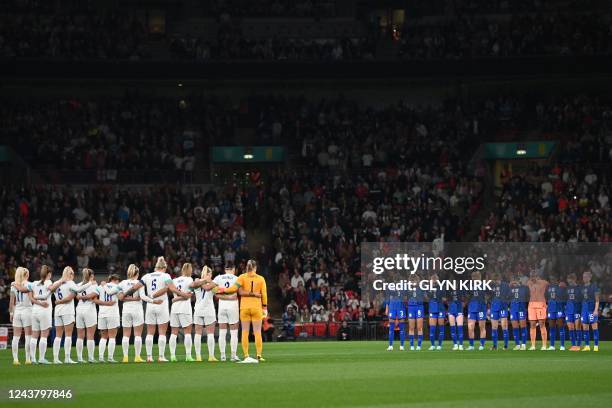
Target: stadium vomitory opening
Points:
(318, 203)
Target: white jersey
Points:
(155, 281)
(183, 306)
(225, 281)
(87, 306)
(133, 306)
(41, 291)
(22, 299)
(108, 293)
(66, 289)
(204, 302)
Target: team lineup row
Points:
(35, 306)
(534, 299)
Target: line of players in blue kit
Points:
(567, 305)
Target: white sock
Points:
(172, 345)
(67, 347)
(15, 347)
(234, 341)
(79, 349)
(138, 345)
(57, 343)
(161, 346)
(111, 348)
(91, 349)
(27, 346)
(222, 340)
(210, 340)
(32, 346)
(149, 345)
(42, 348)
(125, 346)
(101, 349)
(187, 341)
(197, 342)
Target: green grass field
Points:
(334, 374)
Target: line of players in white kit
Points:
(36, 306)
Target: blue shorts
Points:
(397, 313)
(437, 315)
(455, 309)
(478, 315)
(571, 318)
(416, 311)
(499, 314)
(518, 315)
(555, 315)
(588, 317)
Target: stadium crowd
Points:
(73, 35)
(271, 8)
(516, 35)
(107, 228)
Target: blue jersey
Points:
(518, 297)
(436, 300)
(478, 300)
(396, 303)
(455, 302)
(589, 293)
(554, 298)
(573, 300)
(500, 297)
(416, 296)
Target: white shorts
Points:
(22, 318)
(41, 321)
(229, 315)
(64, 320)
(87, 318)
(109, 322)
(180, 320)
(204, 320)
(157, 315)
(132, 318)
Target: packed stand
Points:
(73, 35)
(472, 7)
(567, 200)
(271, 8)
(106, 229)
(520, 35)
(394, 174)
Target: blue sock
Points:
(420, 340)
(506, 337)
(524, 335)
(562, 335)
(402, 327)
(391, 332)
(494, 337)
(440, 335)
(515, 333)
(573, 337)
(578, 337)
(411, 338)
(471, 342)
(432, 334)
(552, 334)
(460, 328)
(596, 337)
(453, 330)
(587, 337)
(482, 341)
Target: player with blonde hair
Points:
(86, 316)
(20, 311)
(180, 313)
(132, 316)
(157, 316)
(42, 312)
(253, 307)
(65, 314)
(204, 314)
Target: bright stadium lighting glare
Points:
(521, 150)
(248, 154)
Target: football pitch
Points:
(331, 374)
